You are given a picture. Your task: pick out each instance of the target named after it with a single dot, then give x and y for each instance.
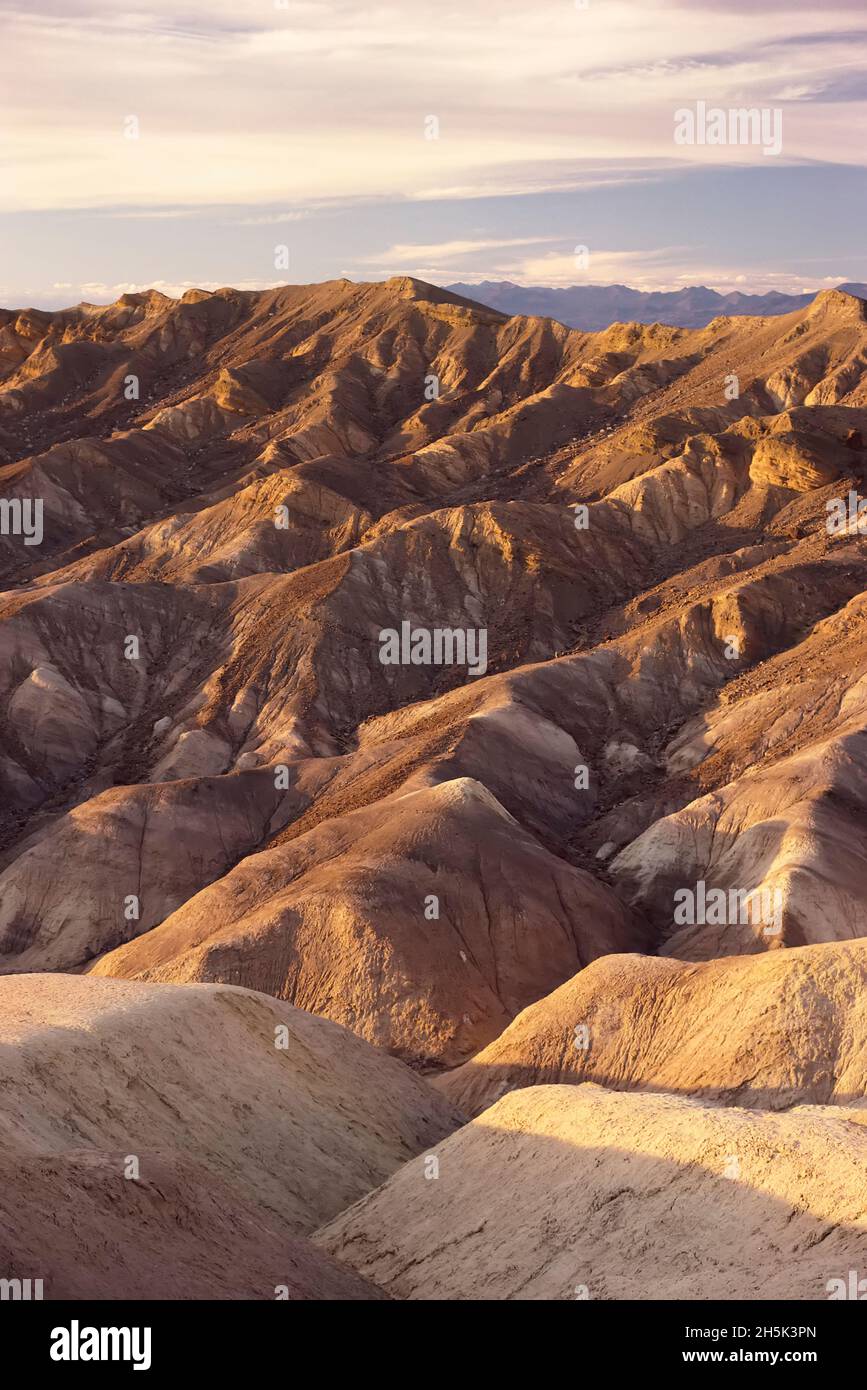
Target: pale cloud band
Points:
(253, 103)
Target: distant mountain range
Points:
(591, 307)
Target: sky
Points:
(182, 143)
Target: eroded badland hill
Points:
(494, 690)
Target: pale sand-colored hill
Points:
(565, 1192)
(199, 1077)
(770, 1031)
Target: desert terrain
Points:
(433, 795)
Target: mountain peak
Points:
(838, 303)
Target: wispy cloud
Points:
(263, 104)
(658, 269)
(643, 269)
(414, 254)
(270, 219)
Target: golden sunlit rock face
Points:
(433, 792)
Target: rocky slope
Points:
(73, 1221)
(183, 1139)
(511, 916)
(770, 1031)
(576, 1192)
